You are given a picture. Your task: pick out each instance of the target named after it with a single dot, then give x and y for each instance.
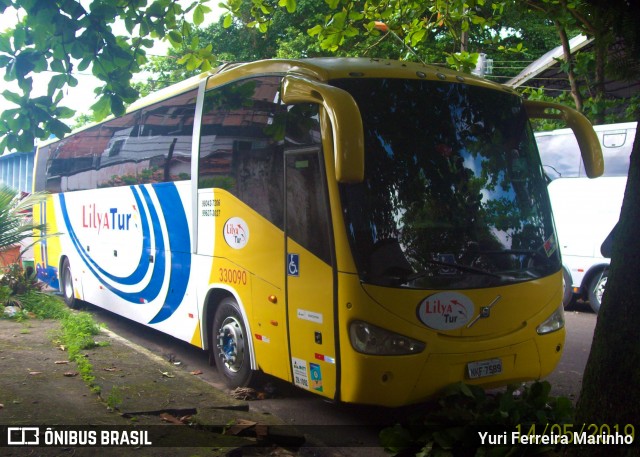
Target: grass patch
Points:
(77, 334)
(78, 329)
(42, 305)
(114, 399)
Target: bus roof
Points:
(319, 68)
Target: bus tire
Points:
(596, 290)
(67, 285)
(567, 293)
(230, 345)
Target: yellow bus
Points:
(368, 230)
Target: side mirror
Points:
(583, 130)
(346, 122)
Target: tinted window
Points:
(307, 211)
(242, 144)
(154, 148)
(150, 145)
(72, 161)
(454, 194)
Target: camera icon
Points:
(23, 436)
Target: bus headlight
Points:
(370, 339)
(553, 322)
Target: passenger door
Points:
(310, 278)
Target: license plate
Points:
(483, 368)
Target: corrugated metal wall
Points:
(16, 170)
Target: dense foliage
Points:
(63, 37)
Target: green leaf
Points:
(198, 15)
(395, 439)
(102, 107)
(56, 82)
(65, 113)
(193, 62)
(417, 37)
(12, 97)
(228, 21)
(5, 43)
(175, 38)
(58, 128)
(84, 64)
(315, 30)
(57, 66)
(351, 32)
(290, 5)
(117, 105)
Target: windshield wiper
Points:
(524, 252)
(421, 274)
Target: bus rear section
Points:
(586, 210)
(370, 231)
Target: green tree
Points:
(61, 36)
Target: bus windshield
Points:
(454, 195)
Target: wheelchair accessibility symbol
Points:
(293, 264)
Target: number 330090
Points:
(232, 276)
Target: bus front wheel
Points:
(230, 344)
(67, 285)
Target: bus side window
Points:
(307, 210)
(164, 137)
(115, 163)
(72, 161)
(152, 145)
(242, 143)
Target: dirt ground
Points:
(138, 392)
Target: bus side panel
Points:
(244, 256)
(47, 252)
(131, 249)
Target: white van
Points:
(585, 210)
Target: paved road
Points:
(358, 424)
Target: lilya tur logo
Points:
(445, 310)
(111, 219)
(236, 232)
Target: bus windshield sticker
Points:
(550, 245)
(300, 376)
(236, 232)
(445, 310)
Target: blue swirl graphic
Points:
(178, 251)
